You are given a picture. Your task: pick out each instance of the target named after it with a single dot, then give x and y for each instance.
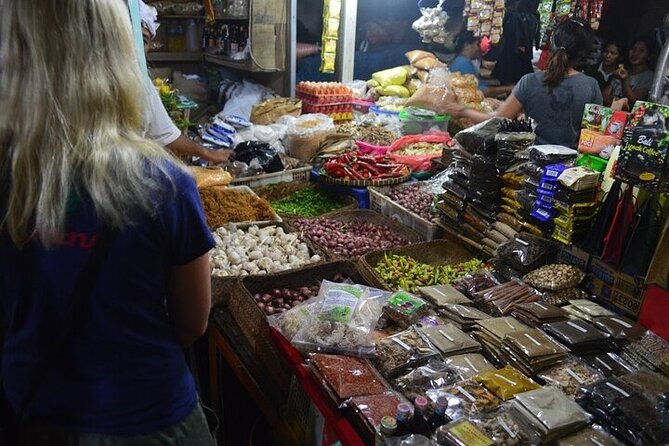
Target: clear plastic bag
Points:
(503, 429)
(466, 398)
(512, 147)
(590, 436)
(619, 327)
(608, 364)
(555, 277)
(475, 282)
(460, 432)
(405, 308)
(551, 154)
(306, 133)
(441, 295)
(372, 408)
(347, 376)
(431, 97)
(469, 365)
(433, 375)
(527, 252)
(342, 320)
(607, 395)
(506, 382)
(652, 384)
(450, 340)
(401, 351)
(573, 333)
(571, 376)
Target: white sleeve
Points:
(158, 126)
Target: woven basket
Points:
(436, 252)
(283, 190)
(220, 286)
(365, 183)
(366, 216)
(253, 321)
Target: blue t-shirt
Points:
(123, 371)
(465, 66)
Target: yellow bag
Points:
(392, 76)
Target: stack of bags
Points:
(450, 340)
(550, 412)
(532, 351)
(586, 309)
(502, 299)
(491, 332)
(651, 351)
(574, 201)
(579, 336)
(536, 314)
(462, 316)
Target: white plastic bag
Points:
(306, 133)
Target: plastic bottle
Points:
(385, 430)
(192, 37)
(419, 424)
(438, 417)
(403, 419)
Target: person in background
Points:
(520, 30)
(91, 208)
(468, 49)
(159, 125)
(634, 83)
(612, 56)
(555, 98)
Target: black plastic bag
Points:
(594, 239)
(642, 243)
(259, 154)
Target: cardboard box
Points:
(598, 288)
(629, 304)
(571, 255)
(603, 271)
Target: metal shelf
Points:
(242, 65)
(232, 17)
(162, 56)
(181, 17)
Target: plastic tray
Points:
(380, 202)
(416, 124)
(245, 224)
(286, 176)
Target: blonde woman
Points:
(93, 213)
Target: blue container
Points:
(361, 194)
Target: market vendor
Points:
(555, 99)
(635, 83)
(468, 48)
(159, 125)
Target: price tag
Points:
(402, 344)
(527, 335)
(444, 334)
(467, 394)
(540, 306)
(506, 379)
(506, 427)
(471, 365)
(509, 324)
(604, 364)
(618, 389)
(623, 323)
(578, 327)
(575, 376)
(597, 442)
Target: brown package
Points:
(269, 111)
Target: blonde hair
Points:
(72, 97)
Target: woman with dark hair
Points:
(635, 83)
(555, 98)
(612, 55)
(521, 26)
(468, 49)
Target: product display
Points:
(466, 398)
(506, 382)
(396, 353)
(532, 351)
(347, 376)
(571, 376)
(450, 340)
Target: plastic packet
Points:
(290, 322)
(551, 154)
(466, 398)
(502, 299)
(405, 308)
(469, 364)
(441, 295)
(372, 408)
(431, 97)
(619, 327)
(503, 429)
(550, 412)
(590, 436)
(652, 384)
(608, 364)
(347, 376)
(571, 376)
(408, 440)
(591, 308)
(461, 432)
(555, 277)
(534, 343)
(644, 425)
(449, 339)
(433, 375)
(527, 252)
(473, 139)
(606, 395)
(562, 297)
(342, 320)
(509, 145)
(650, 351)
(306, 133)
(506, 382)
(575, 332)
(403, 350)
(474, 282)
(538, 312)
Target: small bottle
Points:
(385, 430)
(438, 417)
(192, 37)
(419, 423)
(403, 419)
(234, 40)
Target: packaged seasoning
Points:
(608, 364)
(504, 429)
(591, 308)
(619, 327)
(342, 320)
(469, 365)
(607, 395)
(475, 282)
(466, 398)
(372, 408)
(503, 298)
(651, 384)
(506, 382)
(590, 436)
(433, 375)
(461, 433)
(399, 352)
(649, 351)
(491, 332)
(405, 308)
(347, 376)
(555, 277)
(463, 316)
(571, 376)
(548, 154)
(527, 252)
(536, 314)
(532, 350)
(441, 295)
(450, 340)
(578, 335)
(550, 412)
(562, 297)
(645, 424)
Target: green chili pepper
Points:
(306, 203)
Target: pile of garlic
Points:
(257, 251)
(430, 25)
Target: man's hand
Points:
(452, 108)
(217, 156)
(620, 73)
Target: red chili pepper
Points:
(373, 170)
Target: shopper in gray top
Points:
(555, 98)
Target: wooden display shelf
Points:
(232, 17)
(164, 56)
(242, 65)
(180, 17)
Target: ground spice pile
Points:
(223, 206)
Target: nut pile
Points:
(554, 277)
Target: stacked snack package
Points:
(331, 17)
(485, 18)
(601, 130)
(575, 203)
(422, 65)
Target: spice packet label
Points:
(623, 323)
(578, 327)
(513, 383)
(466, 394)
(467, 433)
(618, 389)
(401, 343)
(506, 427)
(339, 304)
(522, 242)
(405, 303)
(509, 324)
(597, 442)
(604, 364)
(541, 306)
(471, 365)
(528, 336)
(444, 334)
(575, 376)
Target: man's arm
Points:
(187, 147)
